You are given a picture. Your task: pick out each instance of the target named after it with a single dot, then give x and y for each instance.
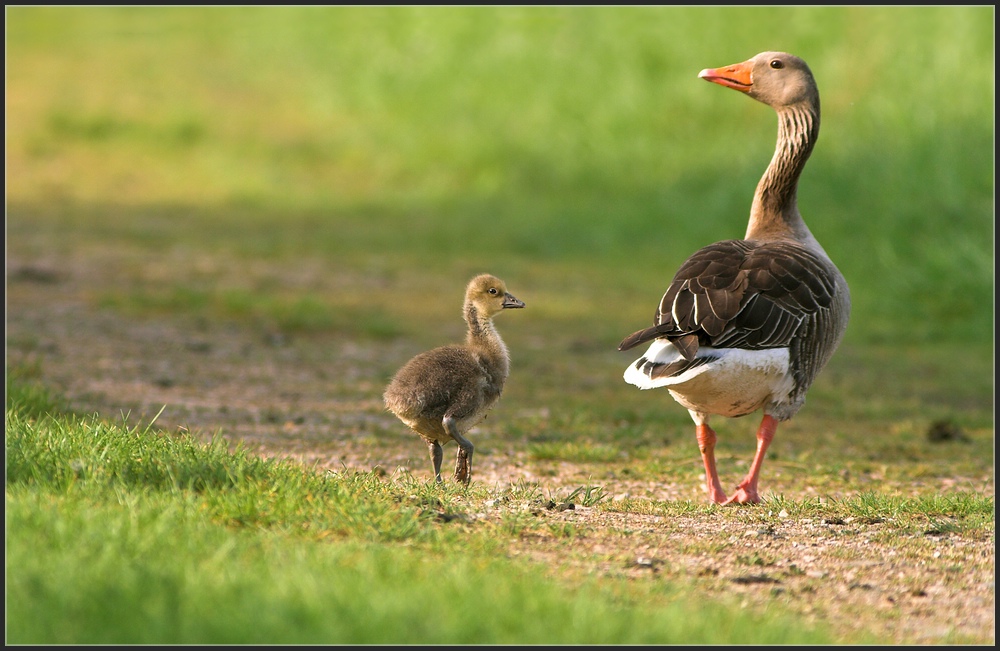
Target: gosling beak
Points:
(509, 301)
(736, 76)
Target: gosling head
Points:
(489, 295)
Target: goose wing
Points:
(740, 294)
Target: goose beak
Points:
(736, 76)
(509, 301)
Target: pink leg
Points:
(706, 443)
(746, 492)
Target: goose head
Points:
(489, 295)
(777, 79)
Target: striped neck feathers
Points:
(775, 212)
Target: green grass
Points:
(119, 535)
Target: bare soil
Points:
(318, 400)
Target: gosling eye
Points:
(493, 291)
(777, 64)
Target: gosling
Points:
(442, 393)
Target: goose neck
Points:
(775, 210)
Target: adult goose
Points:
(747, 324)
(442, 393)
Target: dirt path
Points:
(318, 401)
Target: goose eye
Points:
(493, 291)
(777, 64)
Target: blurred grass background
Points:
(571, 149)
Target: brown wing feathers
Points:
(739, 293)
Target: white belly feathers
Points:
(728, 381)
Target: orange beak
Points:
(736, 76)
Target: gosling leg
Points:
(436, 455)
(463, 459)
